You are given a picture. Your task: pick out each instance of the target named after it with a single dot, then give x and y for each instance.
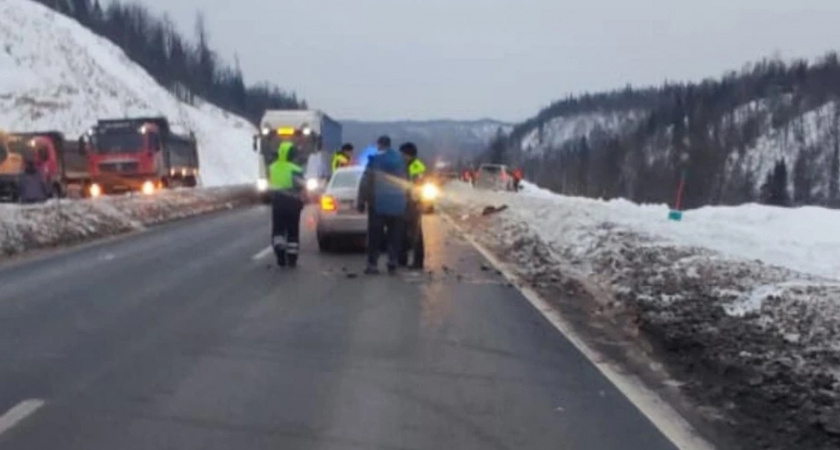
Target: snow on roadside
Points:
(752, 291)
(56, 223)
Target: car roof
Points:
(349, 169)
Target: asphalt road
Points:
(178, 338)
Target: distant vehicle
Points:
(138, 154)
(57, 158)
(322, 136)
(493, 176)
(337, 217)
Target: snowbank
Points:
(744, 301)
(57, 75)
(65, 222)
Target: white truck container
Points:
(321, 136)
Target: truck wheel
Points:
(56, 192)
(190, 181)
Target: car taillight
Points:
(328, 203)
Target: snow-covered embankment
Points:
(743, 302)
(65, 222)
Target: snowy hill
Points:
(729, 134)
(449, 138)
(562, 131)
(57, 75)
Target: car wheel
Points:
(324, 243)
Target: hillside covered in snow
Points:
(57, 75)
(727, 135)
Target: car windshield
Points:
(491, 169)
(118, 142)
(346, 179)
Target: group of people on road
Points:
(387, 193)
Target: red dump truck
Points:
(138, 154)
(58, 159)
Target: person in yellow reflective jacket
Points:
(285, 179)
(414, 216)
(342, 157)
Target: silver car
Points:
(337, 218)
(493, 176)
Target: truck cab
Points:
(316, 134)
(139, 154)
(43, 149)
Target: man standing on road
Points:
(383, 191)
(414, 215)
(341, 158)
(286, 182)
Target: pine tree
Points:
(775, 188)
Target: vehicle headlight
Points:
(311, 184)
(262, 184)
(95, 190)
(148, 188)
(430, 191)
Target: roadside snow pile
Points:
(744, 300)
(57, 75)
(52, 224)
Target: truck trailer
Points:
(320, 135)
(139, 154)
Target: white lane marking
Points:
(263, 253)
(661, 414)
(21, 411)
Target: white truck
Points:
(321, 137)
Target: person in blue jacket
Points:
(384, 193)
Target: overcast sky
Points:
(422, 59)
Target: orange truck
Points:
(59, 160)
(138, 154)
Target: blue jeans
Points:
(389, 229)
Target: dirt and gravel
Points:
(755, 348)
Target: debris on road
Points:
(492, 210)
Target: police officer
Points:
(341, 158)
(414, 215)
(286, 181)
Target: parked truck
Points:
(58, 159)
(139, 154)
(320, 135)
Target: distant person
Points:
(414, 214)
(342, 157)
(383, 192)
(517, 179)
(286, 182)
(32, 185)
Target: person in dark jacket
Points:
(414, 214)
(32, 187)
(384, 193)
